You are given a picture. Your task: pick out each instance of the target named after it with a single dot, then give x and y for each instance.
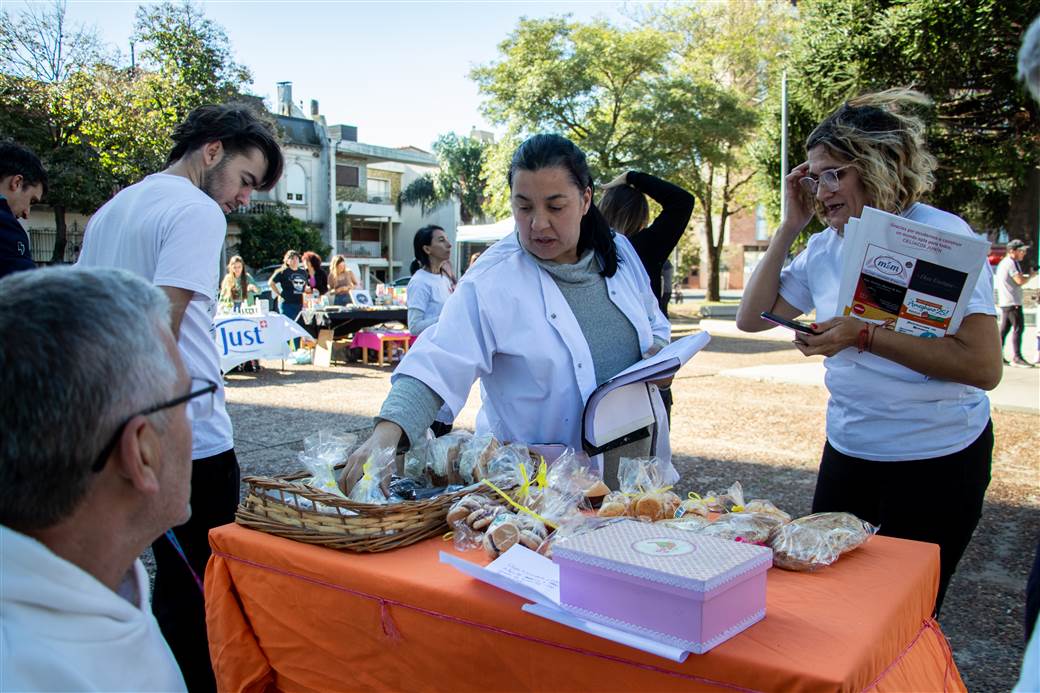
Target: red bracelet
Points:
(870, 339)
(861, 339)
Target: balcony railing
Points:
(380, 198)
(257, 207)
(360, 250)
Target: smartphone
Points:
(792, 324)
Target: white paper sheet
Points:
(529, 575)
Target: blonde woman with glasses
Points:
(908, 418)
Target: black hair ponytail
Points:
(423, 238)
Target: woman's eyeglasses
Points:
(829, 178)
(200, 399)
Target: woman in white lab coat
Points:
(548, 313)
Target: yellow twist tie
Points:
(737, 509)
(543, 472)
(448, 536)
(693, 496)
(367, 469)
(521, 508)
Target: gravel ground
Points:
(767, 436)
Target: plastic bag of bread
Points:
(730, 500)
(475, 456)
(689, 522)
(579, 524)
(375, 477)
(443, 458)
(694, 505)
(648, 482)
(321, 453)
(563, 496)
(760, 505)
(753, 528)
(615, 504)
(508, 529)
(469, 516)
(416, 461)
(815, 541)
(502, 466)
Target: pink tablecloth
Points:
(371, 339)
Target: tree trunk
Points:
(1024, 209)
(58, 255)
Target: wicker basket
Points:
(272, 505)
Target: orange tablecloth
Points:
(303, 618)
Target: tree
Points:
(983, 128)
(194, 54)
(266, 236)
(461, 174)
(583, 81)
(46, 95)
(706, 114)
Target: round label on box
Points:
(663, 546)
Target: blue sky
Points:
(396, 70)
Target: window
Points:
(295, 185)
(378, 191)
(761, 226)
(347, 175)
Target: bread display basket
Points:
(279, 506)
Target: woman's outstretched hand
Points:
(385, 435)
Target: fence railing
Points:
(41, 242)
(257, 207)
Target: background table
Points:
(346, 322)
(379, 340)
(303, 618)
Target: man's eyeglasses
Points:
(200, 406)
(829, 178)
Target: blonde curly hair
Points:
(884, 143)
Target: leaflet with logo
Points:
(910, 277)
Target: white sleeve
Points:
(418, 300)
(455, 352)
(189, 252)
(981, 299)
(794, 282)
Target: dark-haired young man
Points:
(170, 228)
(23, 183)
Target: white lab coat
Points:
(509, 325)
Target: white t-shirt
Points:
(1008, 292)
(878, 409)
(170, 233)
(427, 293)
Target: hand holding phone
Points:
(790, 324)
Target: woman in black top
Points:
(626, 210)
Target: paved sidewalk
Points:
(1019, 389)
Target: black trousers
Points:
(936, 500)
(176, 600)
(1012, 320)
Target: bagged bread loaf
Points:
(475, 456)
(508, 529)
(753, 528)
(818, 540)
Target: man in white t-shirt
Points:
(94, 465)
(169, 229)
(1009, 280)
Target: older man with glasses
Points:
(95, 464)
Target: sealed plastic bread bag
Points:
(508, 529)
(815, 541)
(759, 505)
(474, 457)
(690, 522)
(563, 496)
(469, 516)
(753, 528)
(321, 453)
(648, 482)
(443, 458)
(502, 465)
(572, 527)
(615, 504)
(375, 473)
(694, 505)
(728, 501)
(416, 461)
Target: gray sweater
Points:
(611, 337)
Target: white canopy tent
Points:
(486, 234)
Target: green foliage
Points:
(461, 174)
(192, 52)
(423, 192)
(984, 128)
(266, 236)
(496, 169)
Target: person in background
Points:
(170, 229)
(545, 316)
(77, 509)
(428, 290)
(288, 284)
(625, 208)
(341, 280)
(238, 286)
(472, 258)
(1029, 678)
(1009, 280)
(23, 183)
(908, 417)
(317, 278)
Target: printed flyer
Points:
(910, 277)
